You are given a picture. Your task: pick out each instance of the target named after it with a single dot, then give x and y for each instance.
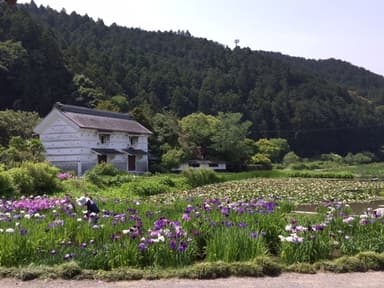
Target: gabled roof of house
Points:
(101, 120)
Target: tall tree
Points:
(229, 138)
(196, 131)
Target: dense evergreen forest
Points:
(319, 106)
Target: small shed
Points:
(202, 164)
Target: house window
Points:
(104, 138)
(134, 140)
(194, 164)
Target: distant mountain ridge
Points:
(320, 106)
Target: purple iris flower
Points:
(225, 211)
(182, 246)
(173, 244)
(143, 246)
(186, 217)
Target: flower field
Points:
(230, 222)
(295, 190)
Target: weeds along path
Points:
(286, 280)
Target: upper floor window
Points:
(134, 140)
(104, 138)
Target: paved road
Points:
(286, 280)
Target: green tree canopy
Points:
(229, 138)
(196, 131)
(16, 123)
(274, 148)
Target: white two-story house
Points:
(77, 138)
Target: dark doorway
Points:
(101, 159)
(131, 162)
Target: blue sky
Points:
(350, 30)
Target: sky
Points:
(349, 30)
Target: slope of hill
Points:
(297, 99)
(353, 78)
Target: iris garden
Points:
(230, 222)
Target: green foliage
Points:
(229, 138)
(312, 249)
(172, 158)
(104, 174)
(21, 150)
(210, 270)
(274, 148)
(304, 268)
(147, 188)
(23, 181)
(35, 178)
(42, 48)
(246, 269)
(373, 261)
(6, 184)
(34, 64)
(291, 158)
(104, 169)
(261, 161)
(234, 244)
(359, 158)
(200, 177)
(16, 123)
(196, 131)
(269, 266)
(166, 129)
(331, 157)
(321, 174)
(68, 270)
(107, 175)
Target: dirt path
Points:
(286, 280)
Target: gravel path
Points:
(286, 280)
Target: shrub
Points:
(35, 178)
(6, 184)
(359, 158)
(104, 174)
(331, 157)
(261, 162)
(200, 177)
(44, 177)
(172, 158)
(291, 158)
(167, 181)
(148, 188)
(104, 169)
(22, 180)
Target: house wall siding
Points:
(69, 147)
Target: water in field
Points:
(357, 208)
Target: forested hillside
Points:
(356, 79)
(319, 106)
